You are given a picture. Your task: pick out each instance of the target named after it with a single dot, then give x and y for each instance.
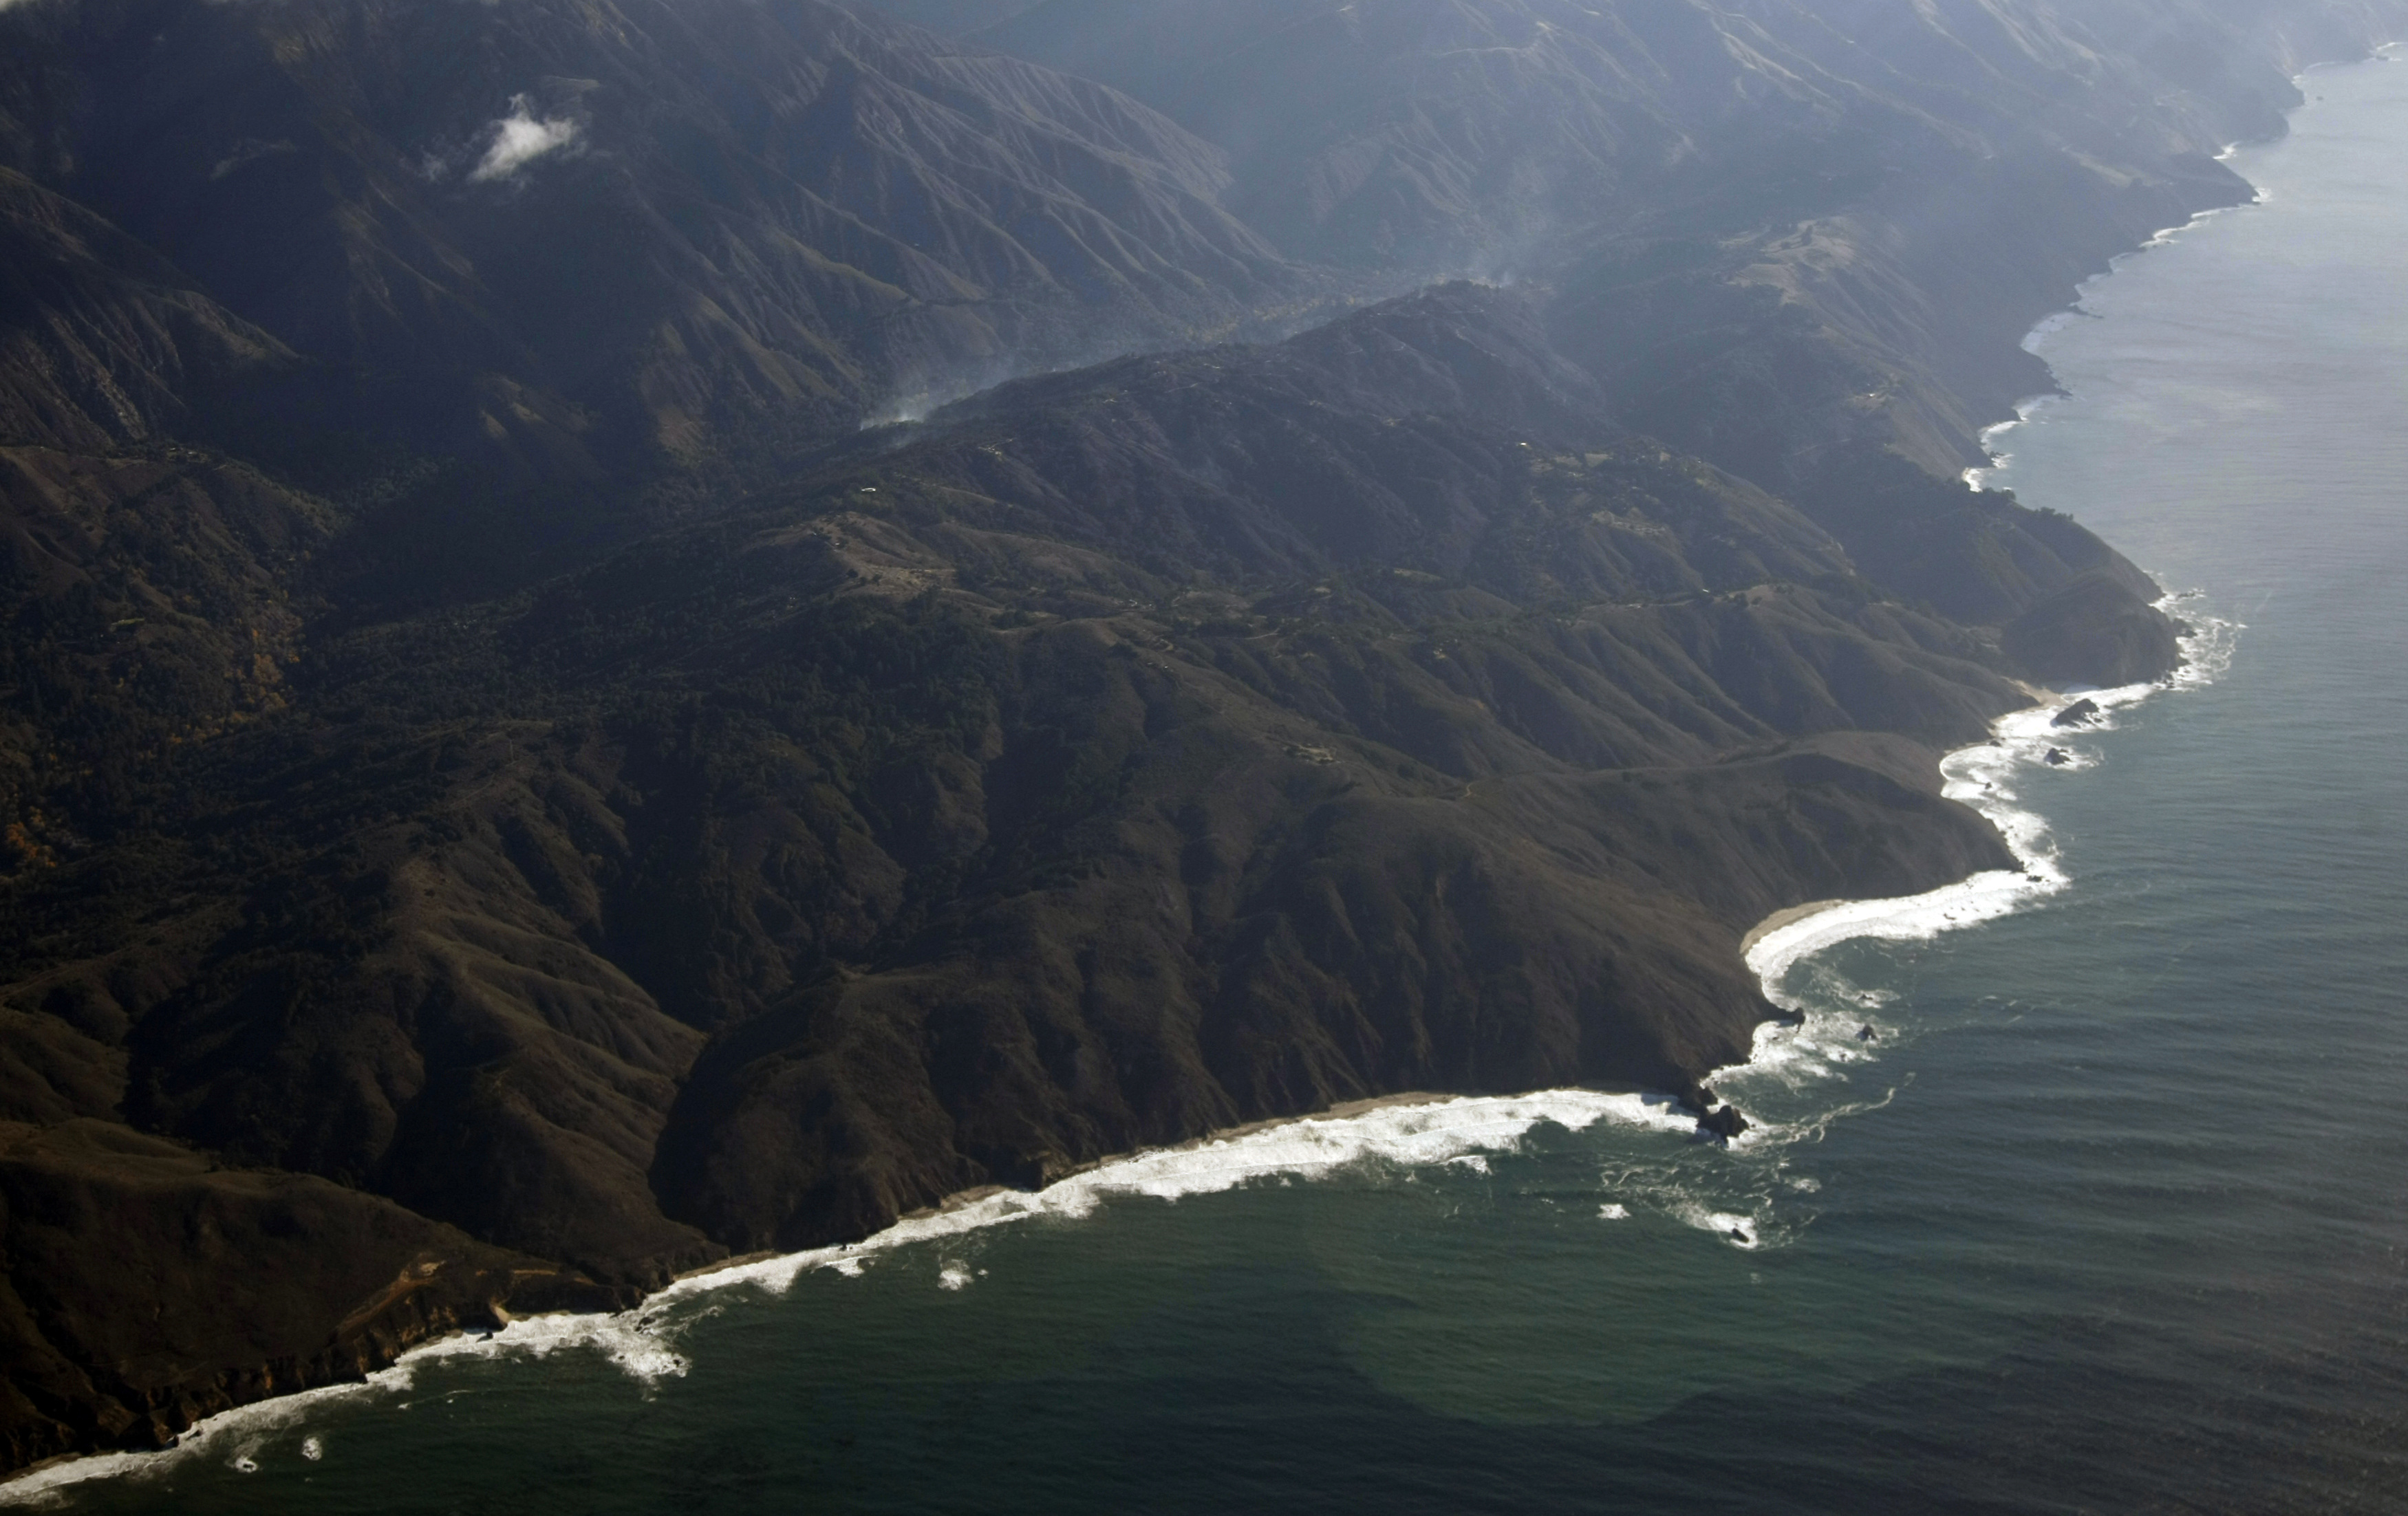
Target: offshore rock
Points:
(509, 793)
(1724, 1124)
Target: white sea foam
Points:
(240, 1438)
(1426, 1133)
(1994, 436)
(642, 1341)
(1991, 777)
(2031, 344)
(1463, 1131)
(2165, 236)
(235, 1438)
(1738, 1230)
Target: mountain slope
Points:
(105, 342)
(1772, 224)
(672, 220)
(1187, 740)
(515, 791)
(1425, 131)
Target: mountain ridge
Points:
(515, 791)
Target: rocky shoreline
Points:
(459, 1287)
(518, 796)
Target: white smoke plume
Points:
(519, 139)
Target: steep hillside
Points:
(1188, 740)
(106, 343)
(606, 228)
(522, 775)
(1416, 131)
(1772, 225)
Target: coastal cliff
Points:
(523, 777)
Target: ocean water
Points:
(2108, 1215)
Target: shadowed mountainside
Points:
(1124, 754)
(586, 230)
(512, 792)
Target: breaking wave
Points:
(1742, 1194)
(2025, 748)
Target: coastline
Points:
(2101, 1093)
(1409, 1127)
(2032, 405)
(1986, 776)
(1787, 916)
(1416, 1122)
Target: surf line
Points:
(1412, 1130)
(1984, 775)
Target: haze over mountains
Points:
(517, 784)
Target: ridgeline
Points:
(522, 775)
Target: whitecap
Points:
(1738, 1230)
(2029, 409)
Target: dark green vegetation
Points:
(511, 791)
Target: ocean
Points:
(2106, 1214)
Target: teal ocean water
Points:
(2108, 1217)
